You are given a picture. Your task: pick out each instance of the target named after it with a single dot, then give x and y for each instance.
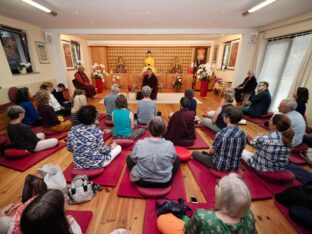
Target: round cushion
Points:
(90, 173)
(3, 140)
(124, 143)
(183, 153)
(220, 174)
(153, 192)
(16, 153)
(108, 122)
(267, 115)
(277, 177)
(299, 148)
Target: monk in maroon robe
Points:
(181, 128)
(151, 80)
(84, 82)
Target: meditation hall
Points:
(161, 117)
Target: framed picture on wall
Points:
(68, 55)
(42, 52)
(76, 52)
(233, 54)
(200, 55)
(215, 54)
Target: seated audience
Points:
(216, 123)
(232, 213)
(109, 101)
(59, 94)
(123, 120)
(146, 107)
(22, 137)
(57, 107)
(301, 96)
(288, 107)
(259, 103)
(153, 161)
(189, 93)
(78, 102)
(181, 129)
(84, 82)
(247, 87)
(86, 142)
(49, 118)
(46, 214)
(273, 149)
(32, 117)
(226, 150)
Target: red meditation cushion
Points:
(142, 125)
(276, 177)
(124, 143)
(267, 115)
(16, 153)
(299, 148)
(153, 192)
(220, 174)
(3, 140)
(183, 153)
(90, 173)
(48, 132)
(108, 122)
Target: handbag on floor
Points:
(53, 177)
(178, 209)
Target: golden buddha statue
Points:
(176, 66)
(120, 67)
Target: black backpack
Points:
(296, 196)
(178, 209)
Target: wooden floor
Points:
(111, 212)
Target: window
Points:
(282, 60)
(15, 46)
(226, 55)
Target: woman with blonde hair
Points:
(232, 214)
(49, 118)
(79, 101)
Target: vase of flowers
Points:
(177, 83)
(98, 75)
(204, 73)
(160, 87)
(22, 68)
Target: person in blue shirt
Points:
(32, 117)
(189, 94)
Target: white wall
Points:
(42, 72)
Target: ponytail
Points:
(283, 125)
(287, 137)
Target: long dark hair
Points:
(283, 125)
(302, 94)
(22, 95)
(45, 214)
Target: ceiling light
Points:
(37, 5)
(258, 7)
(148, 12)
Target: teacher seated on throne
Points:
(151, 80)
(84, 82)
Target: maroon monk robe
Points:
(152, 82)
(84, 82)
(181, 128)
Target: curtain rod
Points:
(290, 36)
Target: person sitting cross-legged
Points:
(189, 93)
(153, 161)
(123, 120)
(78, 102)
(146, 106)
(232, 213)
(226, 150)
(181, 129)
(273, 150)
(22, 137)
(85, 140)
(109, 101)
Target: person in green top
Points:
(231, 217)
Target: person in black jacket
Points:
(260, 102)
(302, 96)
(247, 87)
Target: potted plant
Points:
(204, 73)
(22, 67)
(177, 83)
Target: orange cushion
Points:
(183, 153)
(90, 173)
(124, 143)
(277, 177)
(108, 122)
(16, 153)
(153, 192)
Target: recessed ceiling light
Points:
(77, 12)
(148, 12)
(91, 22)
(222, 12)
(258, 7)
(40, 7)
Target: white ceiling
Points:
(139, 15)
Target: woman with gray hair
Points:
(233, 213)
(109, 101)
(146, 107)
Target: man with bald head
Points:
(84, 82)
(247, 87)
(288, 107)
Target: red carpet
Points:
(146, 134)
(82, 217)
(150, 217)
(297, 159)
(284, 211)
(207, 182)
(111, 172)
(128, 189)
(24, 163)
(199, 143)
(273, 188)
(208, 131)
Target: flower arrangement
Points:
(160, 87)
(177, 83)
(98, 71)
(204, 72)
(23, 65)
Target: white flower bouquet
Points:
(23, 65)
(177, 83)
(204, 72)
